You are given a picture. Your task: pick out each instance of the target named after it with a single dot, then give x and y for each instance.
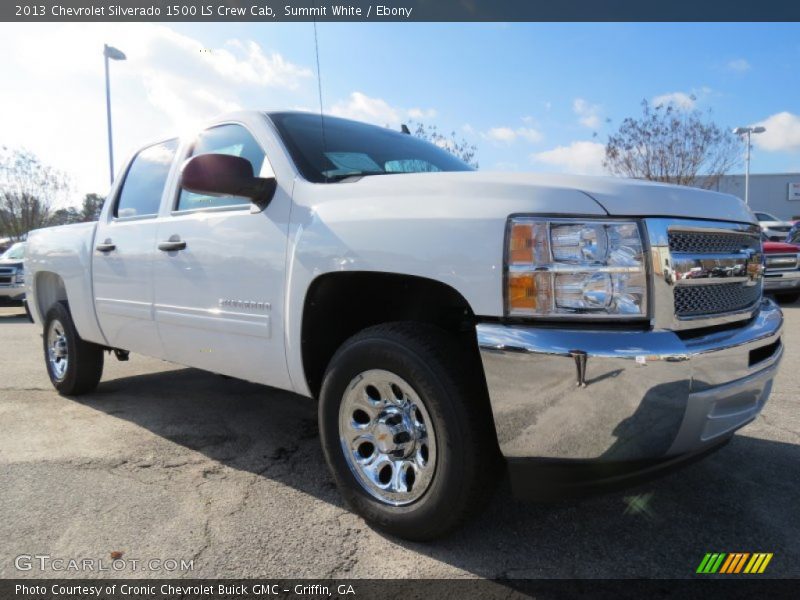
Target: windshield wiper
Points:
(356, 176)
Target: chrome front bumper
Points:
(778, 281)
(12, 292)
(626, 395)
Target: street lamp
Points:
(748, 131)
(113, 54)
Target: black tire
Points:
(790, 298)
(84, 364)
(28, 314)
(447, 380)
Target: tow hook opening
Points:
(763, 353)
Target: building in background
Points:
(775, 193)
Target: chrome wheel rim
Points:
(57, 350)
(387, 437)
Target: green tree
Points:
(672, 145)
(92, 205)
(64, 216)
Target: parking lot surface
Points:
(164, 462)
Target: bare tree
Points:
(28, 190)
(460, 148)
(672, 145)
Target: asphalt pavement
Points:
(169, 464)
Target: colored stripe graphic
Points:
(758, 563)
(734, 562)
(765, 563)
(703, 563)
(732, 558)
(741, 562)
(711, 562)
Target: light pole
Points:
(113, 54)
(748, 131)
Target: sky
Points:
(531, 97)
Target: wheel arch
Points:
(338, 305)
(49, 288)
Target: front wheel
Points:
(74, 365)
(406, 430)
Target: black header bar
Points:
(391, 589)
(398, 10)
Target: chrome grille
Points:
(696, 300)
(7, 275)
(701, 242)
(705, 273)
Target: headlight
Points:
(20, 276)
(567, 268)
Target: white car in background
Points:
(775, 228)
(12, 273)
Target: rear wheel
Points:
(788, 298)
(406, 430)
(74, 365)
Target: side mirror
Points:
(226, 175)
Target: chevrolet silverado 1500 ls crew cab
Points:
(445, 319)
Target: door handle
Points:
(173, 244)
(106, 246)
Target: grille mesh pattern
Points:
(709, 243)
(694, 300)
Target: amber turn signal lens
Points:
(520, 243)
(521, 292)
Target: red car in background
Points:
(782, 275)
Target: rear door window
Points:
(145, 180)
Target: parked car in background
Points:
(12, 273)
(776, 229)
(793, 237)
(444, 318)
(782, 275)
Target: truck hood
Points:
(631, 197)
(10, 263)
(616, 196)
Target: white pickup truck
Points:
(451, 323)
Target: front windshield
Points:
(16, 252)
(349, 148)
